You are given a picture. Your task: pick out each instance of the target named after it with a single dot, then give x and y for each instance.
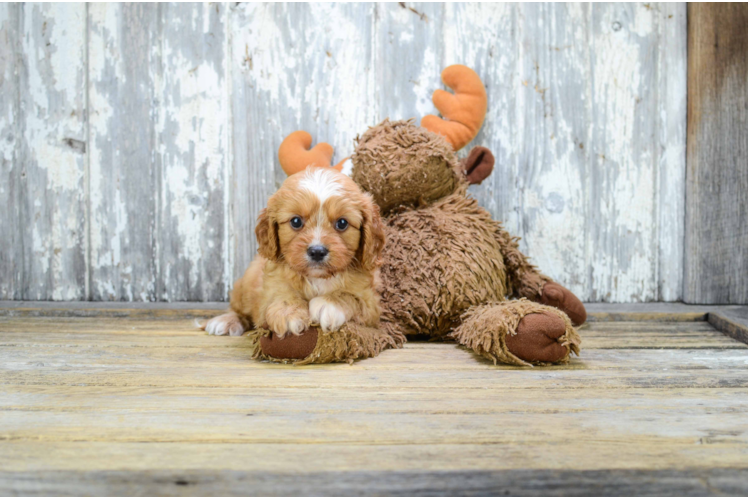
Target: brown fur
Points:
(485, 329)
(351, 342)
(448, 266)
(427, 277)
(401, 164)
(285, 291)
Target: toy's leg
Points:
(351, 342)
(560, 297)
(525, 280)
(518, 332)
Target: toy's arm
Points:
(524, 280)
(351, 342)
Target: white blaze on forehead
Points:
(321, 182)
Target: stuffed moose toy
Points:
(448, 267)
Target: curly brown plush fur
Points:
(487, 329)
(350, 343)
(383, 149)
(447, 264)
(427, 276)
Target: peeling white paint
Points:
(586, 119)
(671, 145)
(193, 152)
(52, 103)
(106, 204)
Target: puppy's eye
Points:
(296, 222)
(341, 224)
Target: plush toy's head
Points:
(400, 163)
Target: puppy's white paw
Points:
(329, 315)
(225, 324)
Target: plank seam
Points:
(87, 161)
(228, 174)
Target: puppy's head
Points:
(320, 223)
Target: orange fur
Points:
(283, 288)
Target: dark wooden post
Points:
(716, 243)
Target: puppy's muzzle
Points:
(317, 253)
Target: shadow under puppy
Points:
(320, 241)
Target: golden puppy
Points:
(320, 242)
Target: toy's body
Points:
(426, 282)
(447, 263)
(448, 267)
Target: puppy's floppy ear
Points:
(267, 236)
(369, 253)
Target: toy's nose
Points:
(317, 252)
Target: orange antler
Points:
(294, 154)
(464, 110)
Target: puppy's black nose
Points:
(317, 252)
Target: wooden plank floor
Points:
(147, 405)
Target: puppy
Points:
(320, 241)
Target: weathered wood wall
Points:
(716, 265)
(138, 141)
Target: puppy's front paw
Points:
(225, 324)
(329, 315)
(288, 320)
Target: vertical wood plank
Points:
(124, 179)
(52, 150)
(409, 58)
(716, 264)
(294, 66)
(553, 136)
(671, 147)
(193, 133)
(622, 201)
(11, 233)
(483, 36)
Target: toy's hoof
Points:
(537, 337)
(561, 298)
(291, 346)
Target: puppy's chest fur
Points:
(316, 287)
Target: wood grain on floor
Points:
(133, 405)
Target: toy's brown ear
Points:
(266, 232)
(478, 165)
